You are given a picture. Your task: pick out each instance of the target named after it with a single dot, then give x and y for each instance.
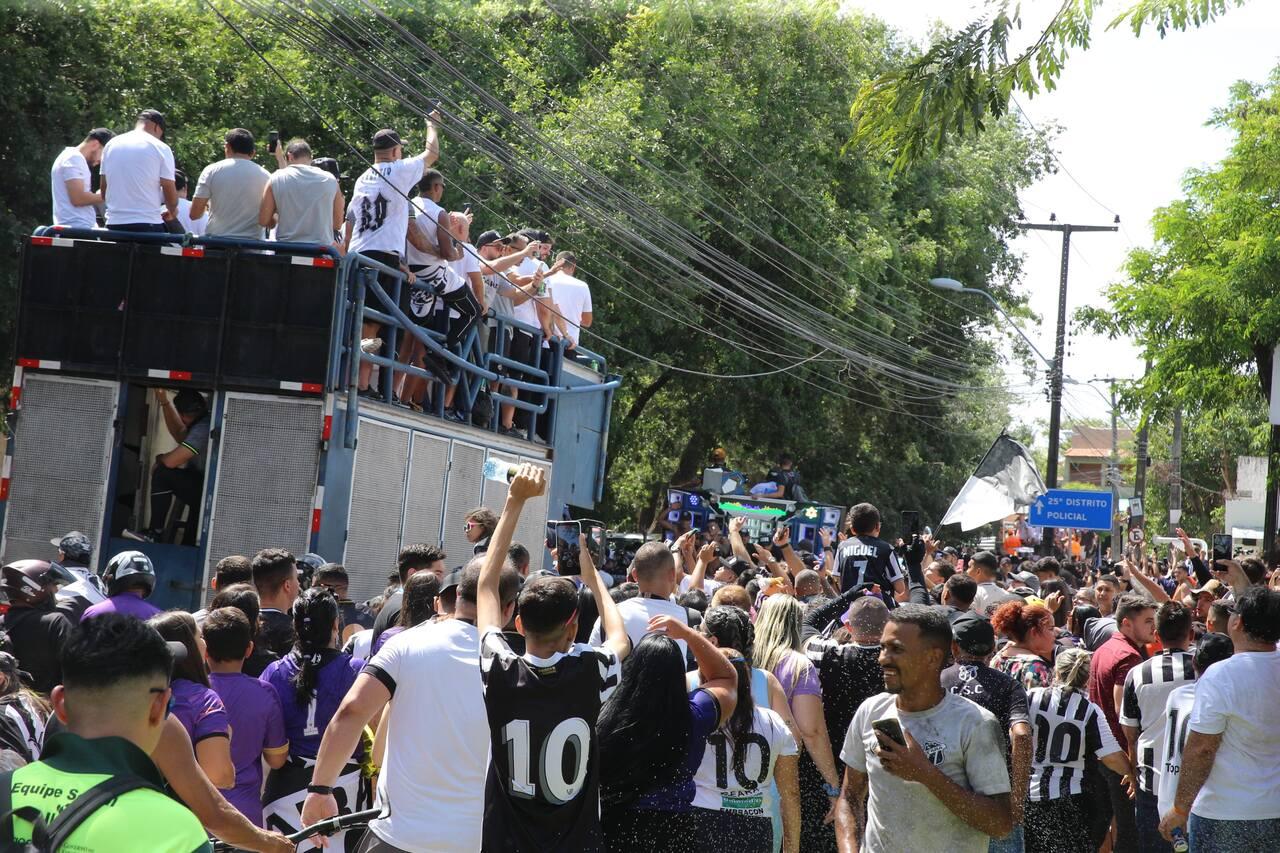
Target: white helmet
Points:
(130, 569)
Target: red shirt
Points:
(1111, 663)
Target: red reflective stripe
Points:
(28, 362)
(324, 262)
(156, 373)
(327, 430)
(193, 252)
(312, 387)
(42, 241)
(315, 521)
(4, 489)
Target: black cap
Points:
(328, 164)
(154, 116)
(974, 635)
(384, 139)
(451, 580)
(486, 238)
(1212, 649)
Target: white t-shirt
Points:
(191, 226)
(134, 164)
(991, 596)
(234, 189)
(1177, 718)
(709, 586)
(527, 311)
(962, 739)
(636, 613)
(424, 215)
(437, 739)
(573, 299)
(379, 206)
(1239, 699)
(71, 166)
(718, 782)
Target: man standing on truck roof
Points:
(180, 472)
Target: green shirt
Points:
(142, 819)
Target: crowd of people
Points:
(394, 218)
(847, 694)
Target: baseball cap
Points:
(451, 580)
(74, 544)
(974, 635)
(1028, 580)
(1211, 649)
(1214, 587)
(9, 666)
(487, 237)
(154, 116)
(384, 139)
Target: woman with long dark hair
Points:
(737, 771)
(310, 682)
(653, 732)
(195, 703)
(417, 605)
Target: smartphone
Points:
(568, 549)
(910, 523)
(466, 208)
(273, 141)
(1221, 546)
(596, 541)
(890, 728)
(433, 105)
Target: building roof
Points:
(1095, 443)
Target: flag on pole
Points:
(1005, 483)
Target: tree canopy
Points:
(731, 132)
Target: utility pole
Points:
(1113, 472)
(1059, 348)
(1175, 475)
(1140, 470)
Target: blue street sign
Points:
(1071, 508)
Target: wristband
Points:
(830, 790)
(323, 790)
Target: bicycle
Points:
(354, 820)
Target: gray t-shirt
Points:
(304, 201)
(962, 739)
(197, 441)
(234, 190)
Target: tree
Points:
(967, 78)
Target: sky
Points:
(1132, 114)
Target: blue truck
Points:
(270, 334)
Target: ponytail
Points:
(1071, 668)
(315, 613)
(739, 725)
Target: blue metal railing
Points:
(471, 367)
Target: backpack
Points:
(49, 838)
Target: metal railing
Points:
(472, 367)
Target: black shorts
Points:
(385, 280)
(407, 293)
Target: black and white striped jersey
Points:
(1146, 691)
(1066, 727)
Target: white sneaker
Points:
(371, 344)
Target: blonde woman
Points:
(778, 650)
(1067, 729)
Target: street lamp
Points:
(1055, 387)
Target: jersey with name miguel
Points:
(866, 559)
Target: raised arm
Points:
(735, 538)
(706, 554)
(717, 675)
(432, 152)
(613, 629)
(529, 482)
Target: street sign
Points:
(1135, 507)
(1072, 508)
(1136, 536)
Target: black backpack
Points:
(49, 838)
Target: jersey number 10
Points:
(571, 734)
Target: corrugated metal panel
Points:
(532, 530)
(61, 458)
(424, 500)
(269, 454)
(377, 507)
(462, 495)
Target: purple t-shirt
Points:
(124, 602)
(798, 676)
(676, 795)
(199, 710)
(384, 636)
(257, 723)
(305, 724)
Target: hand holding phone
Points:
(568, 547)
(1221, 546)
(890, 728)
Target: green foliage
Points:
(966, 79)
(740, 119)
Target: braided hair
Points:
(315, 615)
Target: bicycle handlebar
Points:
(334, 824)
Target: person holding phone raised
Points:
(917, 732)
